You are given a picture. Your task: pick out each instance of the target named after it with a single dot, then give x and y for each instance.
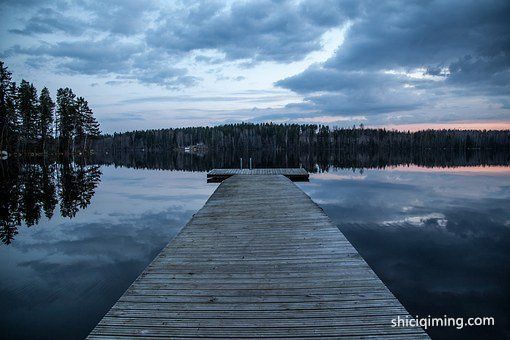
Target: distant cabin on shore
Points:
(197, 148)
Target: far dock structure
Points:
(260, 259)
(294, 174)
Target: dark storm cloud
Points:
(352, 92)
(89, 57)
(24, 3)
(105, 43)
(170, 77)
(124, 17)
(254, 30)
(459, 35)
(465, 45)
(47, 20)
(396, 57)
(328, 12)
(142, 41)
(490, 74)
(414, 34)
(364, 102)
(317, 78)
(129, 60)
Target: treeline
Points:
(270, 136)
(30, 189)
(35, 123)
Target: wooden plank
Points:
(301, 306)
(294, 174)
(254, 314)
(260, 259)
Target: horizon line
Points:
(413, 127)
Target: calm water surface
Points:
(438, 238)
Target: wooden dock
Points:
(260, 259)
(294, 174)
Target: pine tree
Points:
(90, 127)
(27, 105)
(67, 114)
(81, 108)
(8, 114)
(46, 109)
(26, 120)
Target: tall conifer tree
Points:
(27, 105)
(66, 118)
(8, 115)
(46, 109)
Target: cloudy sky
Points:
(152, 64)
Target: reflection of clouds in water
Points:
(484, 170)
(371, 195)
(84, 268)
(420, 221)
(161, 197)
(421, 193)
(123, 239)
(61, 276)
(439, 241)
(158, 189)
(335, 176)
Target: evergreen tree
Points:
(89, 125)
(67, 116)
(27, 105)
(8, 114)
(46, 108)
(26, 120)
(81, 108)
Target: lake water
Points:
(438, 238)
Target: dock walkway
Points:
(260, 259)
(294, 174)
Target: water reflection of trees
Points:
(311, 161)
(29, 189)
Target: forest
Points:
(32, 123)
(293, 137)
(50, 144)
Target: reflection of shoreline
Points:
(33, 186)
(313, 162)
(29, 190)
(474, 169)
(492, 170)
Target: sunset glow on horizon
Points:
(452, 126)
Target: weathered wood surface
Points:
(295, 174)
(260, 259)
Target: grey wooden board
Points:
(269, 171)
(296, 174)
(260, 259)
